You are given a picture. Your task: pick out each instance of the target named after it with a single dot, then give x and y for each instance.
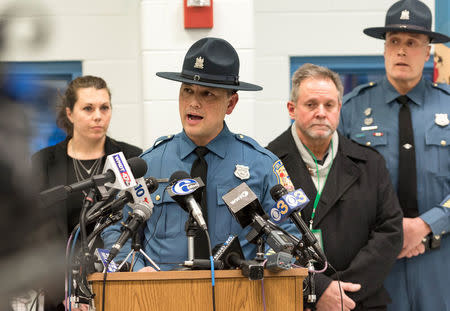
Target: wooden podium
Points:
(191, 290)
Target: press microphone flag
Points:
(118, 174)
(289, 204)
(123, 177)
(286, 203)
(181, 188)
(243, 204)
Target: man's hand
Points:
(147, 269)
(419, 249)
(331, 299)
(414, 230)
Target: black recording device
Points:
(244, 205)
(230, 253)
(293, 203)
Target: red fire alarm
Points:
(198, 13)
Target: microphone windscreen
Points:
(277, 192)
(178, 175)
(152, 184)
(138, 167)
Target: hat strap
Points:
(204, 77)
(406, 26)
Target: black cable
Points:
(212, 281)
(35, 299)
(111, 219)
(339, 284)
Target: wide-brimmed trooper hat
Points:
(408, 16)
(211, 62)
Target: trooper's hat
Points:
(408, 16)
(211, 62)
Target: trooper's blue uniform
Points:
(164, 234)
(370, 116)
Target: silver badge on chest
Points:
(441, 119)
(368, 121)
(242, 172)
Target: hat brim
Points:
(176, 76)
(380, 32)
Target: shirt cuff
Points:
(438, 219)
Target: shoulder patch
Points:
(442, 86)
(446, 202)
(357, 90)
(282, 175)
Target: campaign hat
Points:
(211, 62)
(408, 16)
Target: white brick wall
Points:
(306, 28)
(164, 44)
(128, 41)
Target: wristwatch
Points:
(431, 241)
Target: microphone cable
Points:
(213, 282)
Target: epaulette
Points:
(251, 142)
(158, 142)
(358, 90)
(442, 86)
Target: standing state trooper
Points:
(406, 118)
(209, 81)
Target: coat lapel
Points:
(343, 174)
(295, 166)
(57, 170)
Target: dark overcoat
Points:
(358, 214)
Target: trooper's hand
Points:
(147, 269)
(414, 230)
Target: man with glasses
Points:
(405, 118)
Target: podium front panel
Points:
(191, 290)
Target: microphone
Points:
(230, 253)
(140, 193)
(140, 214)
(117, 173)
(278, 261)
(243, 204)
(288, 205)
(182, 189)
(142, 206)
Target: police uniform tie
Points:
(200, 169)
(407, 179)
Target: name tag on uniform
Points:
(369, 128)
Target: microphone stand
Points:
(260, 246)
(135, 248)
(87, 261)
(191, 227)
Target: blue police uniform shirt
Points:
(164, 234)
(370, 116)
